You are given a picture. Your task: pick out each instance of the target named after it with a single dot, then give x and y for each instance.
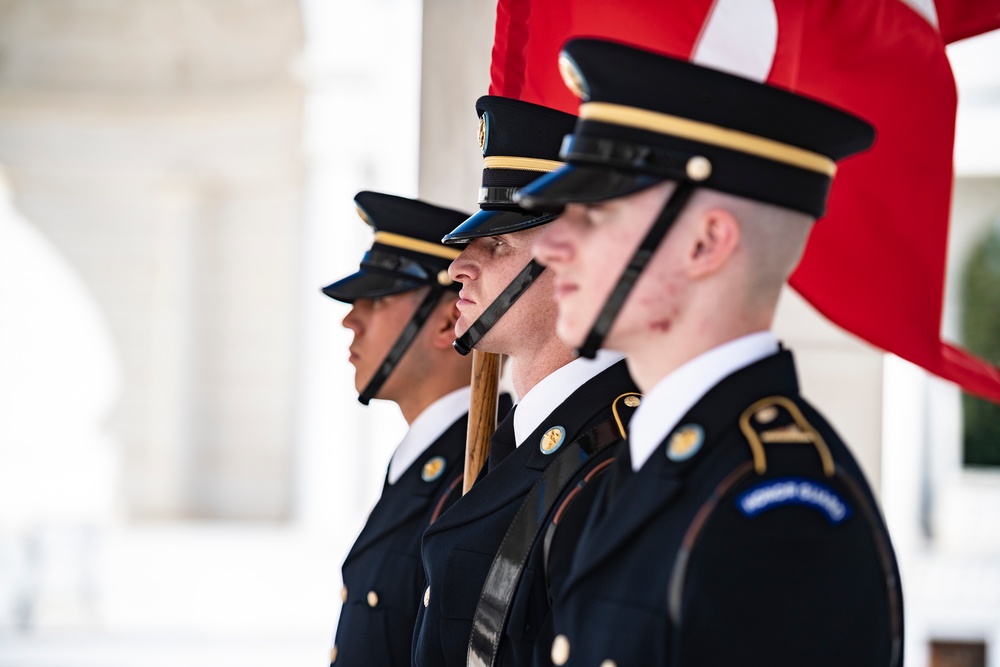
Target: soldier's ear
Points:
(715, 239)
(443, 321)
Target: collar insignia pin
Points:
(433, 469)
(552, 440)
(685, 442)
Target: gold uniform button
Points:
(372, 599)
(560, 650)
(609, 663)
(427, 596)
(333, 655)
(343, 593)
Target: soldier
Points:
(736, 527)
(402, 315)
(486, 601)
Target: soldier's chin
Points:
(462, 325)
(569, 331)
(359, 386)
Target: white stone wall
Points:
(157, 145)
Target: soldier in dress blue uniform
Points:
(486, 601)
(402, 315)
(736, 527)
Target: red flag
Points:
(875, 265)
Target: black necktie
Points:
(502, 444)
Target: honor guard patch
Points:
(363, 214)
(685, 442)
(552, 439)
(433, 469)
(793, 491)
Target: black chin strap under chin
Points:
(671, 209)
(401, 344)
(522, 281)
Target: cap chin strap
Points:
(402, 343)
(602, 325)
(522, 281)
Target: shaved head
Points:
(772, 240)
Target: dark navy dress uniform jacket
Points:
(382, 574)
(459, 548)
(795, 584)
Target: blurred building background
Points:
(183, 463)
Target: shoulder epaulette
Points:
(623, 408)
(777, 419)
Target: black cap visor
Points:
(581, 184)
(367, 284)
(496, 222)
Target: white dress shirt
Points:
(427, 428)
(555, 388)
(677, 393)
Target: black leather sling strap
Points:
(508, 565)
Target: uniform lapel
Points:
(650, 491)
(411, 494)
(642, 496)
(515, 476)
(585, 408)
(502, 485)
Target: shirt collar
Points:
(555, 388)
(674, 395)
(426, 428)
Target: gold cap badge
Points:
(552, 439)
(482, 133)
(433, 469)
(685, 442)
(572, 77)
(363, 215)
